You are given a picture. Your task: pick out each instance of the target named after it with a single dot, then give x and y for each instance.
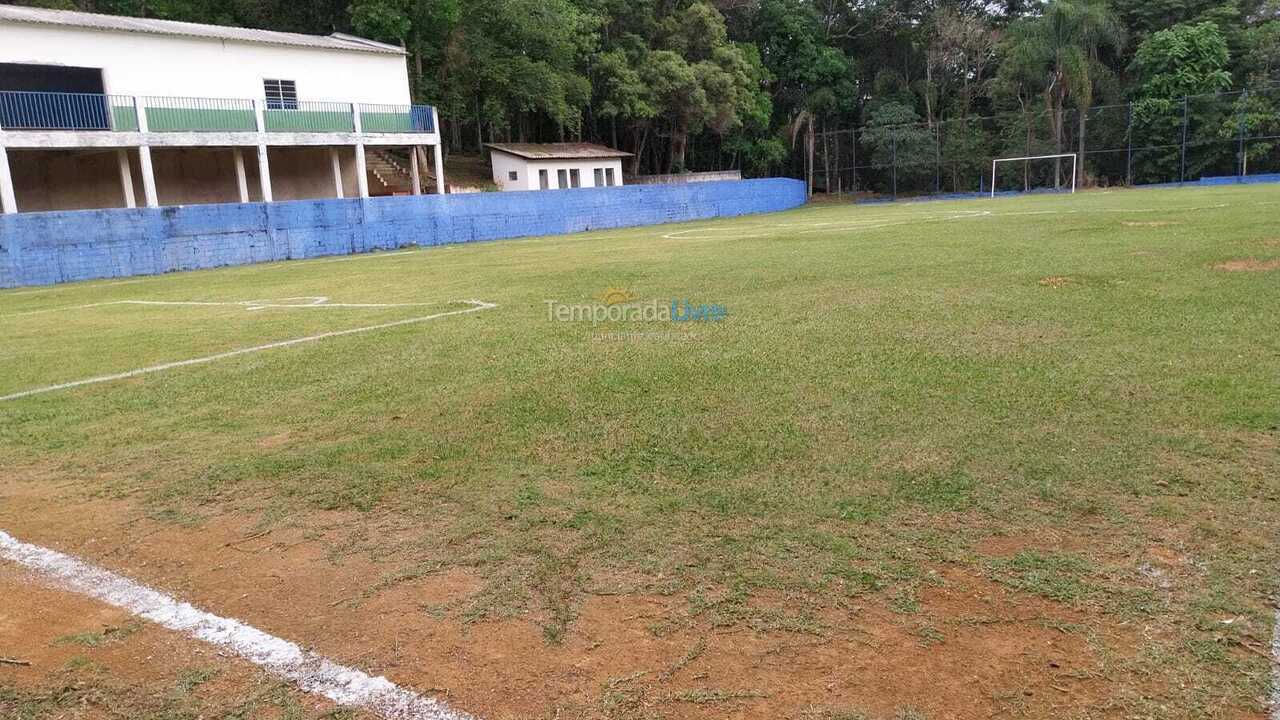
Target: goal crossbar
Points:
(996, 161)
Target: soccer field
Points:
(990, 458)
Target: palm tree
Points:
(1065, 44)
(802, 120)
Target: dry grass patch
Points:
(1149, 223)
(1056, 281)
(1249, 265)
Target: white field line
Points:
(310, 301)
(1275, 667)
(476, 306)
(311, 672)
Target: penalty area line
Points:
(476, 306)
(309, 671)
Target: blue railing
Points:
(23, 110)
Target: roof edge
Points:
(79, 20)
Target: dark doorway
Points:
(52, 97)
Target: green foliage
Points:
(1183, 60)
(895, 136)
(706, 83)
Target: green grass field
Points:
(894, 389)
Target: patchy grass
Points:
(95, 638)
(892, 385)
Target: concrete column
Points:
(362, 170)
(8, 200)
(414, 173)
(337, 172)
(242, 179)
(264, 167)
(126, 178)
(148, 177)
(264, 173)
(144, 156)
(438, 154)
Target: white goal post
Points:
(997, 161)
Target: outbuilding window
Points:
(543, 181)
(513, 176)
(609, 177)
(281, 94)
(575, 178)
(599, 177)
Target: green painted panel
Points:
(308, 121)
(199, 119)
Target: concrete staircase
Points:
(388, 173)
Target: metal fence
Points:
(21, 110)
(1137, 143)
(193, 114)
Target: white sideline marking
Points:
(1275, 668)
(476, 306)
(311, 672)
(308, 301)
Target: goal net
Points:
(1036, 172)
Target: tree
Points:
(1168, 67)
(1059, 53)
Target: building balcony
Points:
(83, 119)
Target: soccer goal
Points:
(995, 164)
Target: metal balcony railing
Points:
(192, 114)
(396, 118)
(295, 116)
(23, 110)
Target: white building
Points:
(552, 166)
(108, 111)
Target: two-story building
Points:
(104, 111)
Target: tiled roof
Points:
(557, 151)
(119, 23)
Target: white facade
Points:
(167, 65)
(516, 173)
(198, 95)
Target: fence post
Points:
(1128, 150)
(937, 157)
(893, 143)
(1242, 162)
(1182, 172)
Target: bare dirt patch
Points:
(88, 659)
(1249, 265)
(971, 648)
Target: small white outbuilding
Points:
(555, 166)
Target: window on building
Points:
(544, 181)
(513, 176)
(575, 178)
(609, 177)
(281, 94)
(598, 177)
(562, 178)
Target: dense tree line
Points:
(703, 84)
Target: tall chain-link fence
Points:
(1144, 142)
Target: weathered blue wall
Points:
(52, 247)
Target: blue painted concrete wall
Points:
(53, 247)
